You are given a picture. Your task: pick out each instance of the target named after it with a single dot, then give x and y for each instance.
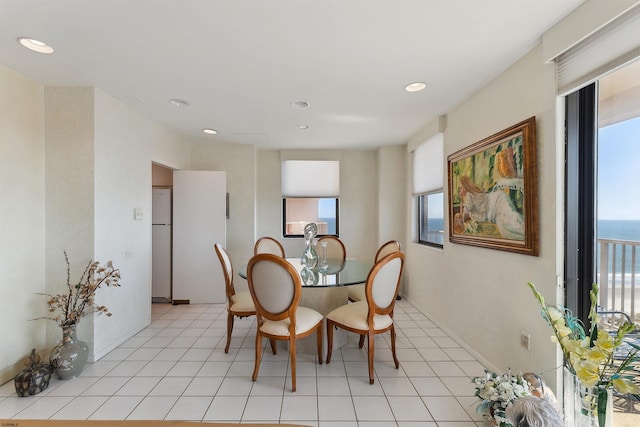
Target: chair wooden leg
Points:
(393, 346)
(273, 346)
(370, 354)
(292, 351)
(229, 330)
(256, 368)
(361, 342)
(329, 340)
(319, 339)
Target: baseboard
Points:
(459, 341)
(106, 350)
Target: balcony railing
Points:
(619, 276)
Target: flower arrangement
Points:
(496, 392)
(596, 358)
(67, 309)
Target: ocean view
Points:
(619, 229)
(627, 230)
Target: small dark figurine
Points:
(34, 378)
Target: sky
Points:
(619, 170)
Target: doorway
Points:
(603, 205)
(161, 234)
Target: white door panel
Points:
(199, 221)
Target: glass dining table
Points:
(325, 289)
(334, 274)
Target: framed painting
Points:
(493, 191)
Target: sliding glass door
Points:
(603, 202)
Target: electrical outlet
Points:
(525, 340)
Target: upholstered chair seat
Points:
(355, 316)
(242, 302)
(306, 319)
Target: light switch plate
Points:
(137, 214)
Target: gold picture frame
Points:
(493, 191)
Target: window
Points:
(431, 221)
(307, 198)
(298, 212)
(427, 189)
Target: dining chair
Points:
(268, 245)
(275, 287)
(374, 315)
(356, 292)
(335, 248)
(238, 303)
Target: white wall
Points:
(481, 295)
(22, 219)
(96, 163)
(126, 143)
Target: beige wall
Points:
(161, 176)
(22, 219)
(391, 197)
(358, 200)
(69, 115)
(481, 295)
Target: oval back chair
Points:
(374, 315)
(356, 292)
(238, 303)
(275, 287)
(335, 248)
(268, 245)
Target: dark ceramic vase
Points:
(34, 378)
(69, 357)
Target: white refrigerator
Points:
(161, 223)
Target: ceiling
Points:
(241, 63)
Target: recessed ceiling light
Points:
(303, 126)
(210, 131)
(300, 104)
(179, 102)
(35, 45)
(415, 87)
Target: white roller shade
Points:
(428, 170)
(310, 178)
(614, 45)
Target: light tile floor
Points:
(176, 369)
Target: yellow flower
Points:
(594, 355)
(562, 330)
(624, 386)
(574, 346)
(605, 341)
(555, 315)
(587, 375)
